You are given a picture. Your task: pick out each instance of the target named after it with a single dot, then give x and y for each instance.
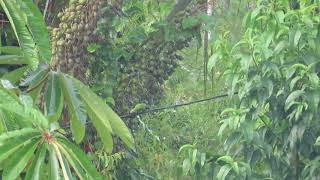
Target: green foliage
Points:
(18, 147)
(31, 142)
(161, 135)
(22, 20)
(275, 68)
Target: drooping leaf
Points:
(292, 97)
(102, 114)
(76, 108)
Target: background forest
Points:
(159, 89)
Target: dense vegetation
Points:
(81, 83)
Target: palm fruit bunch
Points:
(141, 79)
(76, 29)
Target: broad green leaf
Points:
(36, 168)
(82, 159)
(59, 156)
(14, 144)
(212, 61)
(102, 131)
(194, 156)
(294, 81)
(235, 167)
(3, 126)
(73, 162)
(36, 77)
(7, 97)
(297, 37)
(280, 16)
(16, 134)
(186, 165)
(202, 159)
(19, 160)
(223, 172)
(185, 147)
(280, 46)
(67, 167)
(18, 23)
(12, 60)
(101, 114)
(53, 98)
(226, 159)
(76, 109)
(10, 50)
(36, 91)
(53, 164)
(37, 28)
(15, 75)
(292, 97)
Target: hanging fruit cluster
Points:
(142, 78)
(77, 29)
(139, 78)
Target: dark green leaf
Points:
(36, 167)
(53, 98)
(76, 108)
(82, 159)
(53, 164)
(15, 165)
